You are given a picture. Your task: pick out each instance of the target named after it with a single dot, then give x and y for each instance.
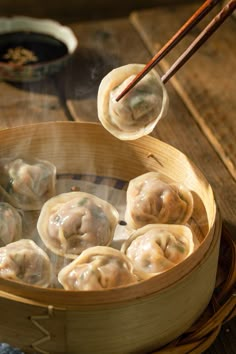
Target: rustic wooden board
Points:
(27, 103)
(207, 83)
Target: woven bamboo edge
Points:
(221, 309)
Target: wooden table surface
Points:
(201, 118)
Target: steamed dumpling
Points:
(26, 262)
(97, 268)
(153, 249)
(137, 113)
(10, 224)
(71, 222)
(27, 183)
(153, 199)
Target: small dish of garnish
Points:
(31, 49)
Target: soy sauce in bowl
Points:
(32, 48)
(25, 48)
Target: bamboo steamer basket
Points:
(138, 318)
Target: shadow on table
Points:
(83, 74)
(79, 79)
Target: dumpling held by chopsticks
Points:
(138, 112)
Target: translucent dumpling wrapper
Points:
(97, 268)
(10, 224)
(152, 198)
(71, 222)
(153, 249)
(27, 183)
(138, 112)
(25, 262)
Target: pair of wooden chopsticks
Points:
(196, 44)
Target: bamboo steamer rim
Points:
(62, 298)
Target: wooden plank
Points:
(207, 83)
(27, 103)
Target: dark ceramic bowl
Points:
(31, 49)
